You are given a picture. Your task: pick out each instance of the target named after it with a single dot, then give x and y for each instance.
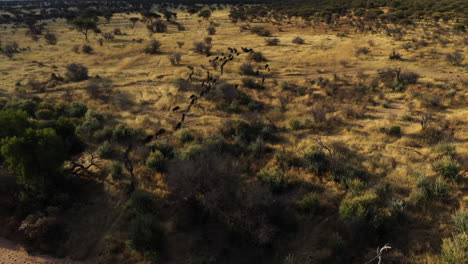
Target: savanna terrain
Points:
(234, 134)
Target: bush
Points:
(182, 84)
(394, 131)
(309, 203)
(147, 236)
(257, 147)
(166, 149)
(298, 40)
(274, 178)
(175, 58)
(362, 50)
(153, 47)
(257, 56)
(247, 69)
(211, 30)
(116, 171)
(143, 203)
(201, 48)
(261, 31)
(208, 40)
(444, 148)
(455, 249)
(423, 188)
(448, 167)
(87, 49)
(272, 42)
(460, 221)
(408, 77)
(185, 136)
(50, 38)
(105, 150)
(157, 161)
(316, 161)
(76, 72)
(364, 212)
(157, 26)
(251, 83)
(455, 58)
(296, 124)
(395, 55)
(440, 189)
(44, 114)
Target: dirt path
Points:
(12, 254)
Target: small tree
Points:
(154, 47)
(157, 26)
(83, 25)
(211, 30)
(206, 13)
(298, 40)
(50, 38)
(76, 72)
(134, 20)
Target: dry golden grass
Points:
(148, 79)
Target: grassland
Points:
(359, 110)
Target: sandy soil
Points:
(12, 254)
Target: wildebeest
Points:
(175, 108)
(148, 139)
(160, 132)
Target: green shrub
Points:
(255, 106)
(298, 40)
(105, 150)
(296, 124)
(147, 236)
(440, 189)
(272, 41)
(190, 152)
(75, 110)
(164, 148)
(44, 114)
(257, 56)
(460, 221)
(143, 202)
(157, 161)
(116, 171)
(455, 249)
(315, 160)
(344, 172)
(275, 178)
(258, 147)
(309, 203)
(211, 30)
(394, 131)
(234, 107)
(247, 69)
(448, 167)
(423, 191)
(123, 134)
(185, 136)
(355, 186)
(448, 149)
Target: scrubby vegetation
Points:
(235, 132)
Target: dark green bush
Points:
(310, 203)
(315, 160)
(143, 202)
(157, 161)
(147, 236)
(448, 167)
